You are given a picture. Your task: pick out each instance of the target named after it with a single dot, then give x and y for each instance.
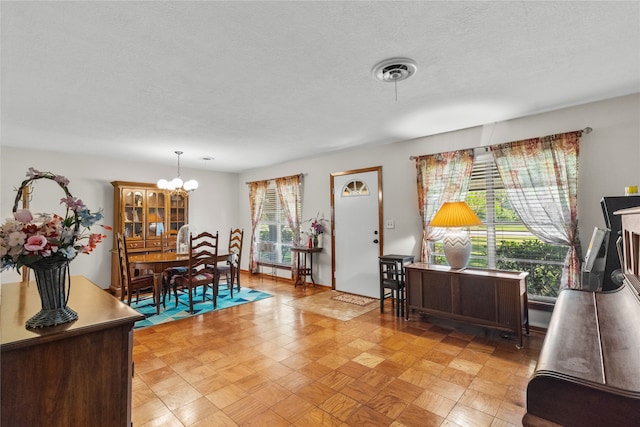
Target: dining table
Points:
(158, 262)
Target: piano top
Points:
(600, 339)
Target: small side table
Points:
(304, 255)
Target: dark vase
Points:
(51, 276)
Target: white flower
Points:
(17, 238)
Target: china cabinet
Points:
(144, 214)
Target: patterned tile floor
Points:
(275, 363)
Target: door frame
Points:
(332, 175)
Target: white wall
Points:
(214, 206)
(609, 161)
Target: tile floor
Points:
(272, 363)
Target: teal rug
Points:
(171, 313)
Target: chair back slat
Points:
(129, 283)
(236, 237)
(389, 271)
(203, 253)
(124, 260)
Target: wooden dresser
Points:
(75, 374)
(491, 298)
(588, 372)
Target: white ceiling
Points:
(258, 83)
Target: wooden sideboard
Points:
(490, 298)
(75, 374)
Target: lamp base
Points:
(457, 248)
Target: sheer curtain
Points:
(288, 189)
(442, 177)
(541, 180)
(257, 192)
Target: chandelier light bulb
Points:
(163, 184)
(176, 185)
(176, 182)
(190, 185)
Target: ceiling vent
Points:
(394, 70)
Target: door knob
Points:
(375, 241)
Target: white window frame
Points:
(485, 177)
(280, 248)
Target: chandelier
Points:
(176, 185)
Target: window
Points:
(355, 188)
(274, 231)
(503, 241)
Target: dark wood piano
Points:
(588, 373)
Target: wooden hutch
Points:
(144, 214)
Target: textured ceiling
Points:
(258, 83)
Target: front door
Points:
(356, 199)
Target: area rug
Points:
(171, 313)
(354, 299)
(323, 303)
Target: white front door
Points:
(357, 239)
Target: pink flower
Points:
(35, 243)
(23, 215)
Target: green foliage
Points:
(544, 278)
(501, 206)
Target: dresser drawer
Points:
(135, 245)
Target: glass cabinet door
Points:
(155, 214)
(178, 212)
(133, 215)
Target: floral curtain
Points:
(541, 180)
(257, 192)
(442, 177)
(288, 189)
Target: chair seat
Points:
(202, 277)
(393, 285)
(170, 274)
(168, 279)
(145, 279)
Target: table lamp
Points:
(457, 245)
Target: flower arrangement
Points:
(316, 227)
(26, 239)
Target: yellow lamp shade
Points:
(455, 214)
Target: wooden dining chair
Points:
(168, 242)
(130, 283)
(231, 267)
(202, 269)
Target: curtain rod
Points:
(586, 130)
(301, 174)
